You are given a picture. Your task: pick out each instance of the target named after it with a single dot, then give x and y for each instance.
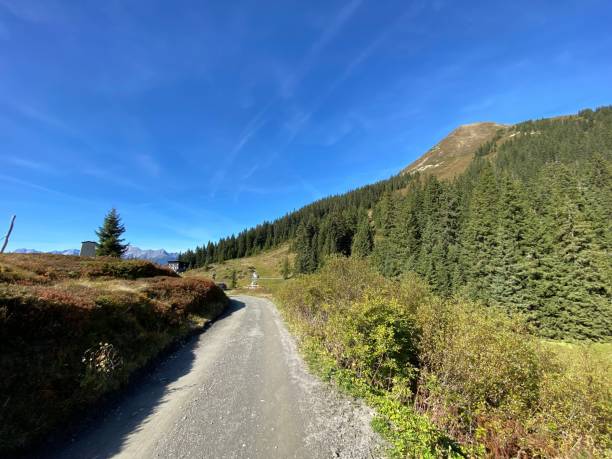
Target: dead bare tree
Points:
(8, 234)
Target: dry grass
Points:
(59, 314)
(45, 268)
(453, 154)
(268, 265)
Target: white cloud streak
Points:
(331, 31)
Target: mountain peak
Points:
(451, 155)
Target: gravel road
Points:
(239, 390)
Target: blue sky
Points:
(196, 119)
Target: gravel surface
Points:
(239, 390)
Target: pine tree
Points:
(109, 234)
(363, 240)
(305, 246)
(234, 279)
(479, 237)
(510, 279)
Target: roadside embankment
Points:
(74, 330)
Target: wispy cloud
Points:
(341, 131)
(44, 117)
(112, 176)
(29, 164)
(47, 119)
(288, 88)
(248, 174)
(331, 31)
(250, 130)
(148, 164)
(24, 183)
(352, 67)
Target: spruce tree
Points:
(305, 246)
(363, 240)
(510, 278)
(479, 237)
(109, 234)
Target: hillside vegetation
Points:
(452, 156)
(73, 329)
(527, 230)
(343, 212)
(449, 377)
(526, 227)
(268, 264)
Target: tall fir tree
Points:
(305, 247)
(478, 241)
(109, 234)
(363, 240)
(511, 267)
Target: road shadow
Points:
(105, 431)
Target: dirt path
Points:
(240, 390)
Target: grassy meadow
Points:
(75, 329)
(268, 265)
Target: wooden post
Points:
(6, 238)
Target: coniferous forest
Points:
(525, 228)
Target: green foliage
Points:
(335, 217)
(306, 260)
(233, 279)
(109, 234)
(286, 268)
(441, 369)
(364, 239)
(527, 230)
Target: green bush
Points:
(437, 369)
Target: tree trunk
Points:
(6, 238)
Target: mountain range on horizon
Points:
(160, 256)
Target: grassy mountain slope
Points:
(268, 265)
(453, 154)
(73, 329)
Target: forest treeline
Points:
(271, 234)
(526, 227)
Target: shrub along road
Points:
(238, 390)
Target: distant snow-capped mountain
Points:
(54, 252)
(66, 252)
(158, 256)
(133, 253)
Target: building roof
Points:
(91, 242)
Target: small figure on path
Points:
(254, 279)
